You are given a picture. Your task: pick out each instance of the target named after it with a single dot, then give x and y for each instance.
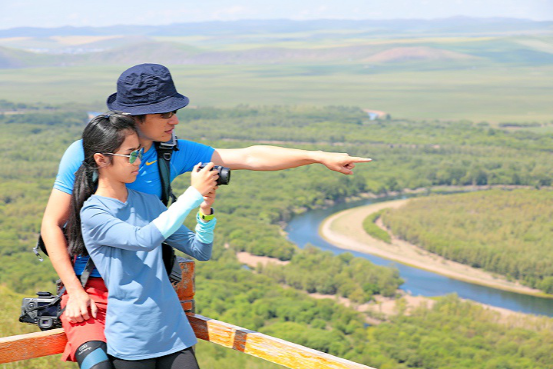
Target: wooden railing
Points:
(290, 355)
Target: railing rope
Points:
(291, 355)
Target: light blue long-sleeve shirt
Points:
(144, 317)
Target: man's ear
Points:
(101, 160)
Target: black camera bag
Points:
(47, 315)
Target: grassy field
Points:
(507, 94)
(473, 74)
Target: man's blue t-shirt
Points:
(148, 181)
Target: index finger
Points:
(357, 159)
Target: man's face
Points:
(157, 127)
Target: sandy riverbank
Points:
(345, 230)
(252, 260)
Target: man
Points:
(147, 93)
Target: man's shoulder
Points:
(187, 148)
(75, 152)
(76, 146)
(70, 162)
(188, 143)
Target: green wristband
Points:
(207, 218)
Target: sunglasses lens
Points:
(136, 154)
(168, 115)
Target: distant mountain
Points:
(174, 53)
(178, 54)
(283, 41)
(9, 60)
(142, 51)
(447, 25)
(12, 58)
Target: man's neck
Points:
(146, 144)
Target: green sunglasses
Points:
(136, 154)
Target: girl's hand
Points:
(205, 179)
(209, 199)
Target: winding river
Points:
(304, 229)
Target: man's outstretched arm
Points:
(261, 157)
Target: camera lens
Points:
(224, 176)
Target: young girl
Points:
(122, 231)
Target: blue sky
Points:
(55, 13)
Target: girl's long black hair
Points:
(104, 134)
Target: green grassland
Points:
(509, 94)
(483, 76)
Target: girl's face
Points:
(120, 169)
(157, 127)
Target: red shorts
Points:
(88, 330)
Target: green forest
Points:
(253, 208)
(505, 232)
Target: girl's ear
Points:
(101, 160)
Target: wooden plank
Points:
(32, 345)
(266, 347)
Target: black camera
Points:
(43, 311)
(224, 174)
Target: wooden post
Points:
(33, 345)
(186, 287)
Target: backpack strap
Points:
(164, 152)
(89, 267)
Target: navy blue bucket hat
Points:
(146, 89)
